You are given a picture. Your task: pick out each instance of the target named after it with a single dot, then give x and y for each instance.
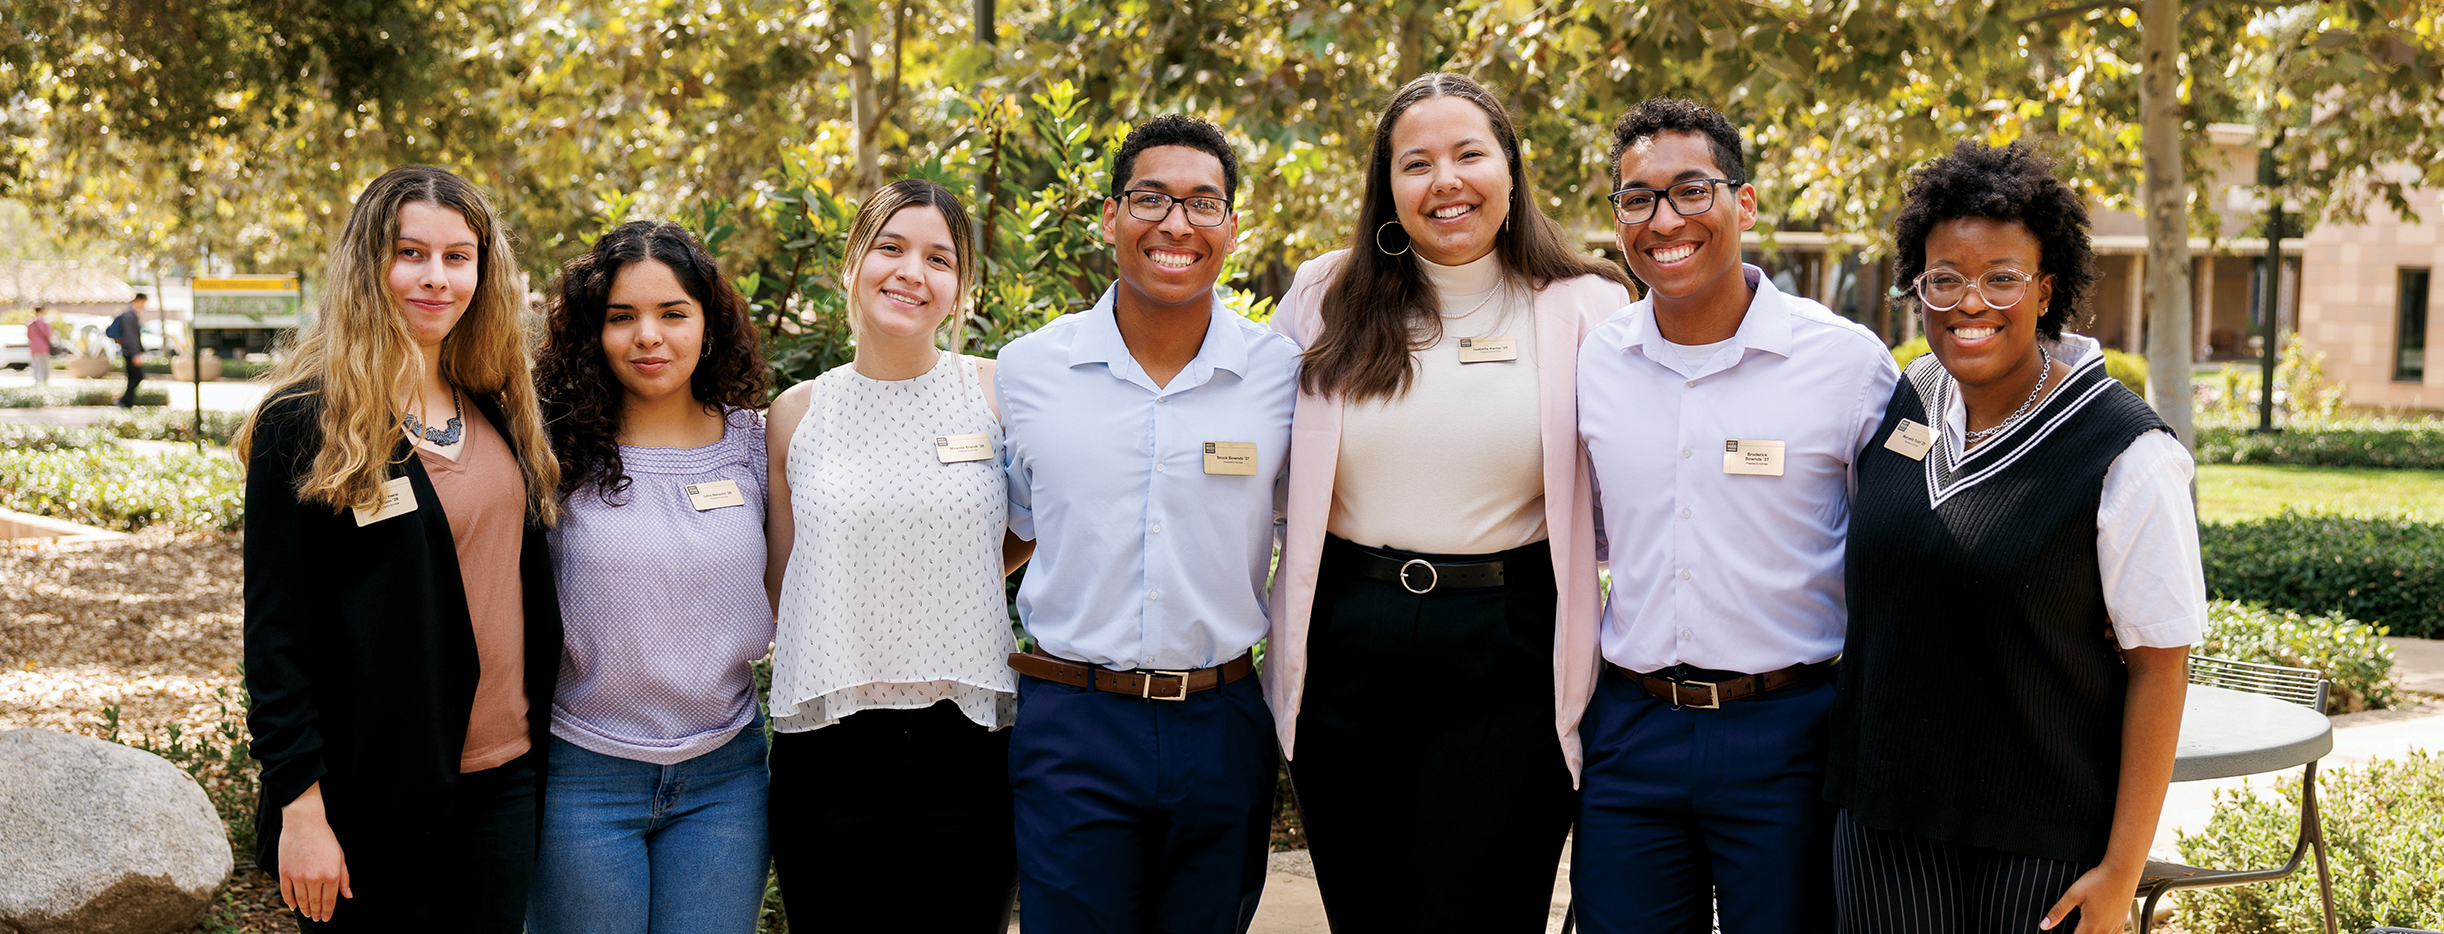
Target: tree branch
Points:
(2076, 10)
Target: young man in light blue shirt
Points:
(1146, 441)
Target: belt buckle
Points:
(1145, 687)
(1434, 578)
(1714, 694)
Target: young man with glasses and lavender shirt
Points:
(1148, 438)
(1721, 418)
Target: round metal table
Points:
(2226, 733)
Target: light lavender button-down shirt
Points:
(1709, 568)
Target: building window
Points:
(2410, 340)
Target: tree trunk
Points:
(864, 108)
(1416, 26)
(2168, 266)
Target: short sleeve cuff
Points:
(2165, 634)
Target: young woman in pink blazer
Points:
(1435, 610)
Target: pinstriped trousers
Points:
(1886, 882)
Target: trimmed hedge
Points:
(2387, 571)
(2384, 828)
(32, 397)
(2352, 654)
(169, 425)
(117, 489)
(2369, 443)
(36, 436)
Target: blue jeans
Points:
(631, 847)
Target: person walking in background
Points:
(890, 535)
(651, 374)
(1722, 418)
(38, 336)
(398, 484)
(128, 330)
(1440, 540)
(2024, 524)
(1148, 436)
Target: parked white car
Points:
(16, 350)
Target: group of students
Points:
(503, 604)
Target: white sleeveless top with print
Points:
(892, 597)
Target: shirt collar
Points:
(1766, 326)
(1099, 341)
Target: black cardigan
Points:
(360, 654)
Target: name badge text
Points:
(714, 495)
(398, 499)
(1911, 440)
(1753, 458)
(1230, 458)
(959, 449)
(1494, 349)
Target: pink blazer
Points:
(1565, 312)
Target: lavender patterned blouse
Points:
(664, 605)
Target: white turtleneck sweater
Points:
(1455, 465)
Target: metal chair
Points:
(2304, 686)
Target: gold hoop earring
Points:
(1379, 240)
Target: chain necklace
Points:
(2022, 411)
(443, 436)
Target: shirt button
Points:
(1685, 634)
(1684, 513)
(1692, 383)
(1684, 452)
(1158, 468)
(1684, 575)
(1154, 595)
(1158, 527)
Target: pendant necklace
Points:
(2022, 411)
(447, 434)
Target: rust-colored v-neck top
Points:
(485, 497)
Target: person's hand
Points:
(313, 871)
(2102, 896)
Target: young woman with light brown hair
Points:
(397, 582)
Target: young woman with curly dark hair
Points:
(2023, 585)
(651, 377)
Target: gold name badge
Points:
(1495, 349)
(1231, 458)
(1911, 440)
(959, 449)
(1753, 458)
(398, 499)
(714, 495)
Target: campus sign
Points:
(228, 302)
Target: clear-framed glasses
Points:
(1944, 289)
(1153, 206)
(1689, 198)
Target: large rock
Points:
(98, 838)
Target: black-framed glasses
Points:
(1154, 206)
(1945, 289)
(1692, 197)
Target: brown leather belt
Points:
(1708, 695)
(1151, 685)
(1420, 576)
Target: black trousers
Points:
(135, 374)
(1427, 768)
(483, 891)
(894, 820)
(1887, 882)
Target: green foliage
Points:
(169, 425)
(117, 489)
(2353, 655)
(2329, 443)
(218, 761)
(2303, 397)
(35, 397)
(1910, 350)
(2128, 368)
(37, 436)
(2384, 829)
(2387, 571)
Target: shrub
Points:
(168, 425)
(2360, 443)
(2384, 829)
(118, 489)
(30, 397)
(2353, 655)
(42, 437)
(2129, 368)
(2387, 571)
(218, 761)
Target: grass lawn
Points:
(2237, 492)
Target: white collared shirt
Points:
(1143, 559)
(1711, 569)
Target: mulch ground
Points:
(152, 626)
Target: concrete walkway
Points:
(219, 395)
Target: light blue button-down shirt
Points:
(1142, 559)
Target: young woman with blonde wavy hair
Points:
(397, 581)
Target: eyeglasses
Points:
(1154, 207)
(1945, 289)
(1689, 198)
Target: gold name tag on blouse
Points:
(714, 495)
(398, 499)
(959, 449)
(1231, 458)
(1911, 440)
(1495, 349)
(1753, 458)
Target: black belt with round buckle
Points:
(1420, 576)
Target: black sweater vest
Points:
(1981, 692)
